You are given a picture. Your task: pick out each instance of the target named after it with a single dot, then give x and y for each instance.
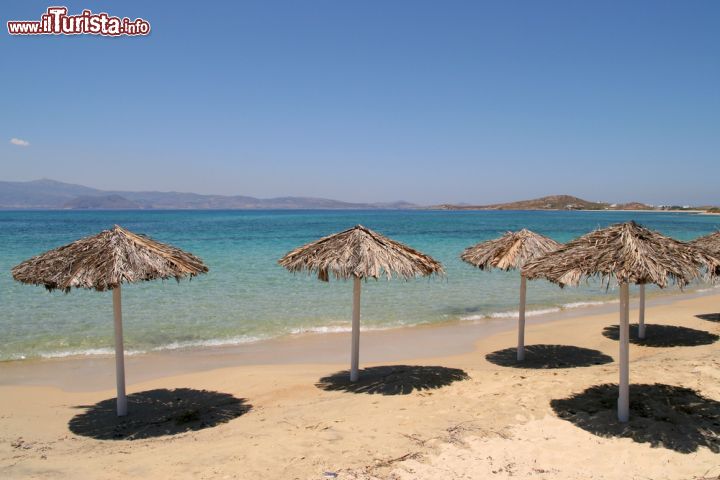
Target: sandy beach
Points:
(275, 410)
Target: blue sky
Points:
(374, 101)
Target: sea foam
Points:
(536, 312)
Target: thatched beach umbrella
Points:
(710, 243)
(104, 262)
(359, 253)
(629, 253)
(511, 252)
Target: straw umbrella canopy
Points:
(511, 252)
(629, 253)
(710, 243)
(104, 262)
(359, 253)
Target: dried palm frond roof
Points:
(626, 251)
(511, 251)
(360, 252)
(106, 260)
(710, 243)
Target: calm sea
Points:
(247, 297)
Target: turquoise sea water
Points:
(247, 296)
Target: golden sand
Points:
(499, 423)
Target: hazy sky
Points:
(374, 100)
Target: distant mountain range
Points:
(51, 194)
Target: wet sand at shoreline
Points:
(95, 372)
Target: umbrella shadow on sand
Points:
(667, 416)
(664, 336)
(710, 317)
(549, 356)
(157, 413)
(393, 379)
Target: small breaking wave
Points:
(85, 352)
(587, 304)
(105, 351)
(213, 342)
(510, 314)
(536, 312)
(339, 329)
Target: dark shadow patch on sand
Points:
(157, 413)
(710, 317)
(549, 356)
(667, 416)
(664, 336)
(393, 379)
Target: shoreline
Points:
(650, 210)
(541, 312)
(496, 422)
(436, 340)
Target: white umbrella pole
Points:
(641, 319)
(119, 354)
(624, 390)
(521, 320)
(355, 358)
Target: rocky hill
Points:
(552, 202)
